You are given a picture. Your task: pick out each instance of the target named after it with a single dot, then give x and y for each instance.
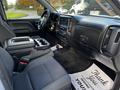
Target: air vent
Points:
(117, 37)
(111, 41)
(107, 38)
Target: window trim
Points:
(3, 10)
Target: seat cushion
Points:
(44, 73)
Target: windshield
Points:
(83, 7)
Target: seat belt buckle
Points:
(22, 64)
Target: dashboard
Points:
(95, 33)
(97, 36)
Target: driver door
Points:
(23, 15)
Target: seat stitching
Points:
(33, 65)
(30, 78)
(30, 81)
(54, 81)
(48, 72)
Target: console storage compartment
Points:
(19, 45)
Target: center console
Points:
(20, 46)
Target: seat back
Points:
(6, 70)
(6, 31)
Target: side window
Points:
(22, 9)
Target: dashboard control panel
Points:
(64, 27)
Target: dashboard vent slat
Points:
(117, 37)
(111, 41)
(107, 38)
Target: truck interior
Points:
(41, 53)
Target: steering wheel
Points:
(44, 18)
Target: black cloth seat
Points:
(44, 73)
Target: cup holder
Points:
(41, 43)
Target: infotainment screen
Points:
(64, 21)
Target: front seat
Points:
(43, 73)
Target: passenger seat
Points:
(43, 73)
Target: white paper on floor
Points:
(54, 47)
(91, 79)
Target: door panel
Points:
(22, 17)
(24, 26)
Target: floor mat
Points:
(71, 61)
(92, 78)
